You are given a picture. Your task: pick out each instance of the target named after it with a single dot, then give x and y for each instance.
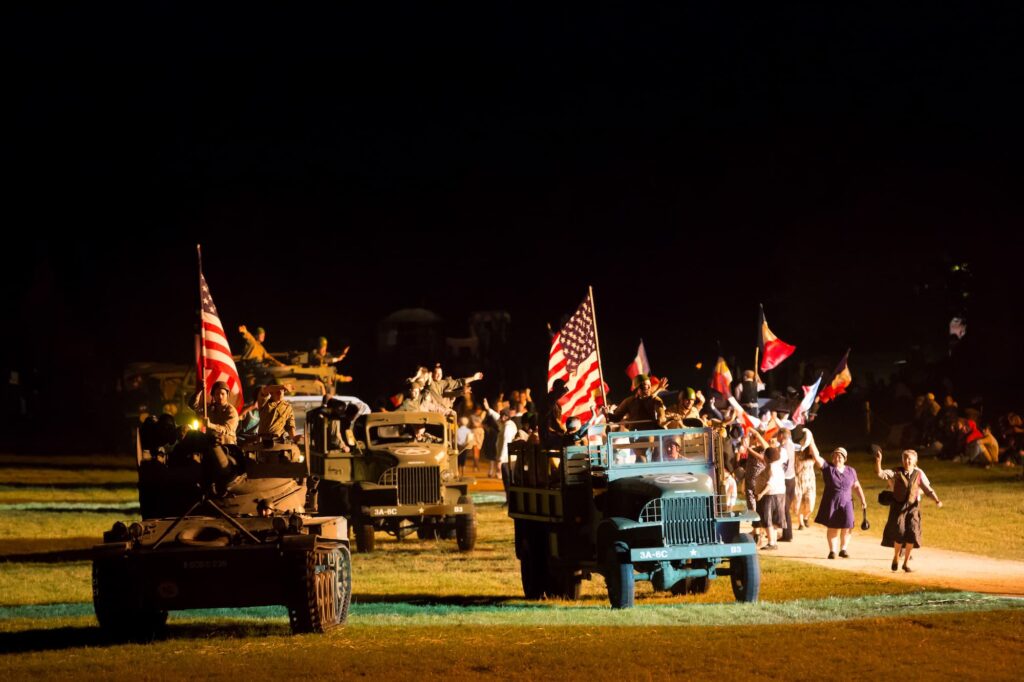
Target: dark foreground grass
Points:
(906, 645)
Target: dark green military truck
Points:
(399, 476)
(630, 505)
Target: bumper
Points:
(682, 553)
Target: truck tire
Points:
(322, 589)
(465, 528)
(532, 559)
(116, 607)
(364, 530)
(563, 583)
(618, 574)
(745, 573)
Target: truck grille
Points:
(419, 485)
(684, 520)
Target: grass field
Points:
(425, 610)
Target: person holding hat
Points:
(903, 527)
(836, 509)
(277, 417)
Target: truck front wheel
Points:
(745, 573)
(618, 574)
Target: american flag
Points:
(573, 359)
(215, 355)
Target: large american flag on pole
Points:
(573, 359)
(214, 353)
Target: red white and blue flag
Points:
(801, 411)
(773, 349)
(721, 378)
(214, 353)
(573, 359)
(639, 364)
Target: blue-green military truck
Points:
(629, 505)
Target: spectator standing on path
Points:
(836, 510)
(788, 451)
(463, 443)
(507, 431)
(903, 528)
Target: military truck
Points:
(619, 506)
(399, 476)
(256, 543)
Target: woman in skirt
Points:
(836, 510)
(903, 528)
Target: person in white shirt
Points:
(771, 499)
(788, 449)
(507, 431)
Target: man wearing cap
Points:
(276, 415)
(221, 423)
(746, 392)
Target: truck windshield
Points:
(406, 433)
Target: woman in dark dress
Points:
(836, 509)
(903, 529)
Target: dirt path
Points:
(931, 566)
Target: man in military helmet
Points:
(320, 357)
(220, 424)
(254, 352)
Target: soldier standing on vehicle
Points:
(276, 415)
(221, 423)
(642, 410)
(444, 390)
(254, 352)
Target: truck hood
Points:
(432, 454)
(632, 493)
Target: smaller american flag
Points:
(215, 355)
(573, 359)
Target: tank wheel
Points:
(323, 590)
(745, 573)
(465, 528)
(364, 530)
(532, 559)
(113, 599)
(618, 574)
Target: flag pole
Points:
(201, 354)
(597, 344)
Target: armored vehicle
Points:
(629, 505)
(256, 543)
(399, 475)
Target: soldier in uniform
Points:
(276, 415)
(688, 406)
(641, 411)
(221, 423)
(443, 390)
(319, 357)
(254, 352)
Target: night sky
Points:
(688, 163)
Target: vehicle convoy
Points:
(399, 475)
(624, 509)
(255, 543)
